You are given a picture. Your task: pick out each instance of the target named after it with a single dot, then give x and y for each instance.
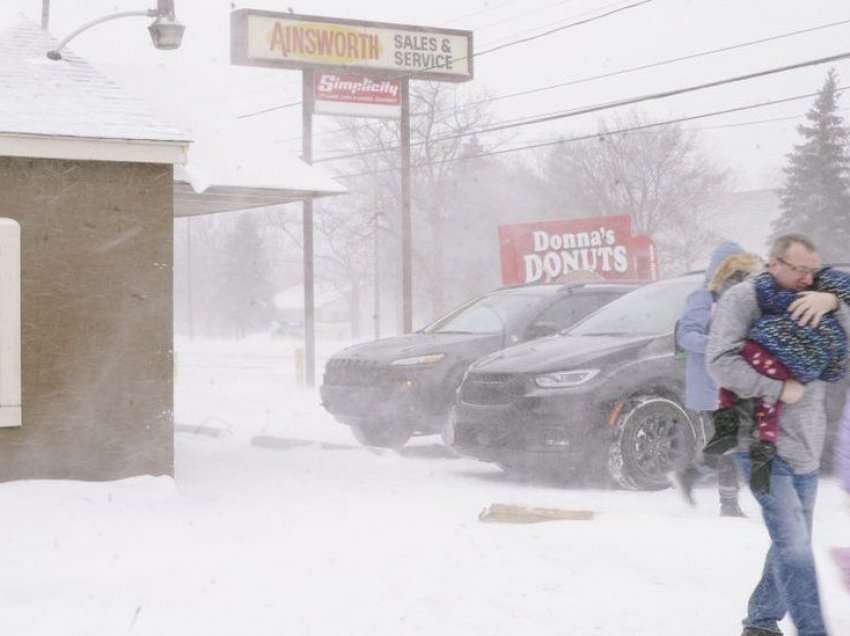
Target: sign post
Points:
(406, 221)
(376, 51)
(307, 221)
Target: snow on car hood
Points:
(559, 353)
(414, 344)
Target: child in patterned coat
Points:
(778, 347)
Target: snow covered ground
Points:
(278, 524)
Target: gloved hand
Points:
(761, 455)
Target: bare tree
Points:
(442, 118)
(659, 176)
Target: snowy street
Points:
(278, 523)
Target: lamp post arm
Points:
(55, 53)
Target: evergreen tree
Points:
(815, 198)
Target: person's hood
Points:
(721, 253)
(744, 262)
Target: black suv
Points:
(391, 389)
(604, 399)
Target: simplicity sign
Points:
(263, 38)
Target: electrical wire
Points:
(628, 70)
(596, 135)
(571, 25)
(606, 106)
(754, 122)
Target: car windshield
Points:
(650, 310)
(488, 314)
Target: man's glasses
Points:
(802, 271)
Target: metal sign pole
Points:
(309, 306)
(45, 14)
(406, 229)
(189, 298)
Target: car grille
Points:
(353, 372)
(492, 388)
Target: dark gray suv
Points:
(391, 389)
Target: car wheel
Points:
(654, 436)
(384, 433)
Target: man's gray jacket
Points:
(802, 426)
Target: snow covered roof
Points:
(66, 109)
(216, 181)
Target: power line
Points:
(550, 23)
(496, 48)
(596, 135)
(665, 62)
(760, 121)
(608, 105)
(634, 69)
(524, 14)
(562, 28)
(268, 110)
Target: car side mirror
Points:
(541, 329)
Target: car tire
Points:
(654, 436)
(383, 433)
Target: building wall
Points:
(96, 316)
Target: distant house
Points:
(332, 312)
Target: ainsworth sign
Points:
(264, 38)
(356, 95)
(552, 251)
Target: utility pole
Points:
(189, 300)
(309, 300)
(377, 285)
(45, 14)
(406, 224)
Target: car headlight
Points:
(431, 358)
(562, 379)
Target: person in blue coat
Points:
(729, 265)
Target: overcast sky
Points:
(196, 86)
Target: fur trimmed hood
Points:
(743, 262)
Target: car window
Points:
(488, 314)
(571, 308)
(650, 310)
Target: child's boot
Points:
(725, 436)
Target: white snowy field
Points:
(278, 524)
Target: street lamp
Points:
(166, 32)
